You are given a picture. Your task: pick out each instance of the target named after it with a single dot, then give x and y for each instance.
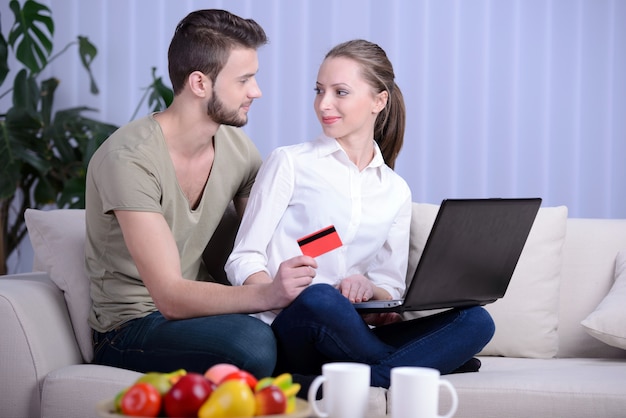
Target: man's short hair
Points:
(203, 41)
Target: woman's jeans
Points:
(154, 343)
(322, 326)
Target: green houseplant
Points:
(44, 152)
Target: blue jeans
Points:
(321, 326)
(154, 343)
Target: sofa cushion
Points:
(58, 240)
(71, 391)
(521, 388)
(526, 317)
(607, 321)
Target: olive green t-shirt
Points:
(132, 170)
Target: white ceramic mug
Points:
(345, 391)
(415, 393)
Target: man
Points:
(156, 191)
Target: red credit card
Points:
(320, 242)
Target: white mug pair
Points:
(414, 392)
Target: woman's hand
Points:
(357, 288)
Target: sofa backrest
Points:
(589, 252)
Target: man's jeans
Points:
(322, 326)
(154, 343)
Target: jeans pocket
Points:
(99, 341)
(104, 340)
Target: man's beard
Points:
(219, 114)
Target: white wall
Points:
(504, 97)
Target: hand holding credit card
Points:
(320, 242)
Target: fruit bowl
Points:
(106, 409)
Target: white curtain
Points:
(504, 97)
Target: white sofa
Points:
(542, 361)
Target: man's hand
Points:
(357, 288)
(292, 277)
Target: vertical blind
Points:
(505, 98)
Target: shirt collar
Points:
(328, 146)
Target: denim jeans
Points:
(154, 343)
(321, 326)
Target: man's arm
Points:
(153, 248)
(240, 205)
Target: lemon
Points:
(233, 398)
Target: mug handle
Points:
(313, 394)
(455, 399)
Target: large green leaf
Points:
(68, 131)
(48, 88)
(38, 160)
(73, 193)
(19, 147)
(33, 28)
(44, 193)
(25, 91)
(20, 137)
(99, 132)
(87, 52)
(75, 139)
(9, 179)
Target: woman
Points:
(345, 178)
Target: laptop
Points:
(469, 256)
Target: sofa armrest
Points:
(37, 337)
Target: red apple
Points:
(141, 399)
(187, 395)
(270, 400)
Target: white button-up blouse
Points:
(305, 187)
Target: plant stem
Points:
(140, 103)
